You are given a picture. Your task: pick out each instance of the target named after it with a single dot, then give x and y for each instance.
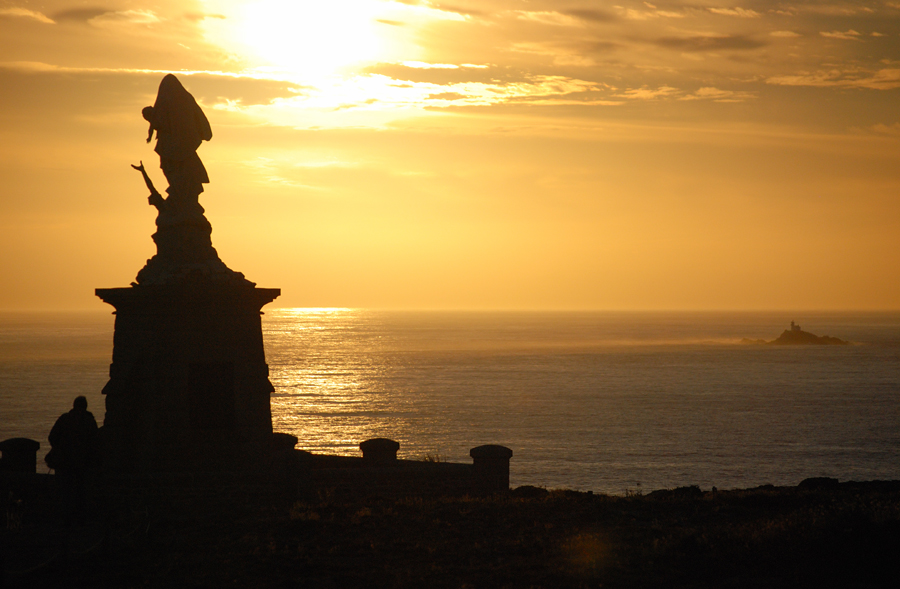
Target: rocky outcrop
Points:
(804, 338)
(797, 337)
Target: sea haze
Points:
(594, 401)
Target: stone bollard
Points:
(379, 451)
(491, 464)
(19, 455)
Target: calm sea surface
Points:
(592, 401)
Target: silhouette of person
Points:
(180, 127)
(73, 442)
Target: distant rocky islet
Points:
(797, 337)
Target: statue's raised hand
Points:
(156, 198)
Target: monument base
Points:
(189, 387)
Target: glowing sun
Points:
(307, 39)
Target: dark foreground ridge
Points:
(820, 533)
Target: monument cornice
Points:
(186, 296)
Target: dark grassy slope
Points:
(845, 535)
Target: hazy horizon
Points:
(798, 312)
(587, 155)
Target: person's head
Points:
(147, 112)
(80, 403)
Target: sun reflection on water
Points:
(328, 372)
(589, 400)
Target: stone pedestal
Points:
(188, 387)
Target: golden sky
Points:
(474, 154)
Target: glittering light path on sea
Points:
(594, 401)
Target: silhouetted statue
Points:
(180, 127)
(73, 452)
(188, 388)
(183, 236)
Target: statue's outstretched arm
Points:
(156, 198)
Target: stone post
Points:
(19, 455)
(491, 464)
(379, 451)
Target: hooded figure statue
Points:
(180, 127)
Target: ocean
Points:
(603, 401)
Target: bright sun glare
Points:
(310, 39)
(321, 45)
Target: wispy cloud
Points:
(99, 16)
(850, 35)
(446, 96)
(268, 172)
(885, 79)
(645, 93)
(16, 12)
(548, 18)
(439, 11)
(833, 9)
(710, 43)
(883, 129)
(440, 66)
(82, 15)
(740, 12)
(537, 87)
(564, 54)
(456, 9)
(38, 66)
(784, 34)
(201, 16)
(651, 12)
(717, 95)
(382, 93)
(595, 16)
